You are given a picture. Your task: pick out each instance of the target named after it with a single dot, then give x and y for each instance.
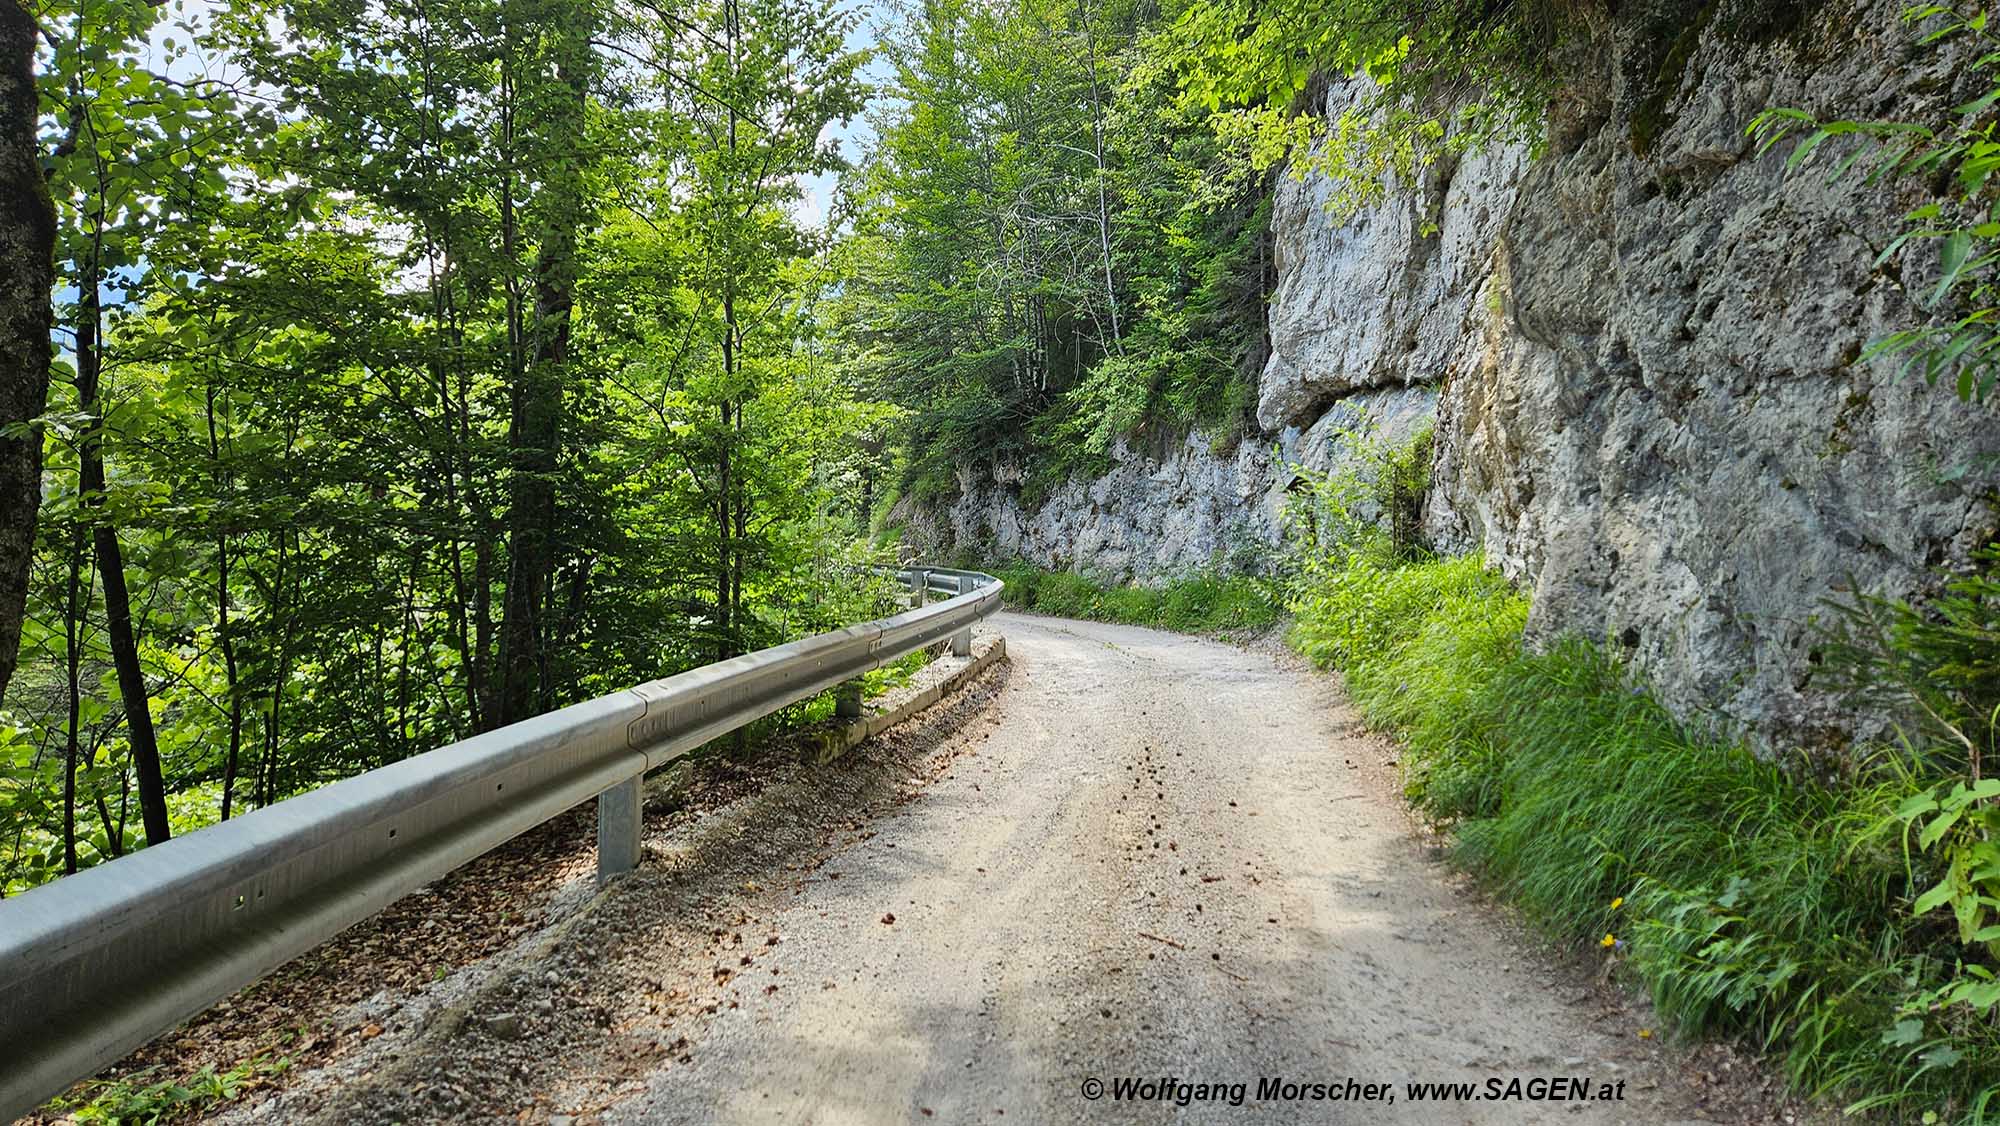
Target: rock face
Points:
(1391, 297)
(1160, 513)
(1643, 352)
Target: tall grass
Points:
(1751, 900)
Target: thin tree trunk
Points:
(724, 646)
(486, 688)
(73, 682)
(403, 656)
(1103, 203)
(114, 833)
(27, 277)
(111, 567)
(730, 579)
(225, 639)
(267, 766)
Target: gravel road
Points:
(1163, 857)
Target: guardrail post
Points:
(961, 642)
(920, 587)
(621, 825)
(847, 700)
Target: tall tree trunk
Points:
(535, 435)
(1103, 202)
(729, 578)
(27, 277)
(535, 432)
(725, 488)
(111, 565)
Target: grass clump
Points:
(1204, 603)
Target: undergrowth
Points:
(1200, 603)
(144, 1098)
(1751, 900)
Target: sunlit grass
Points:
(1750, 899)
(1200, 603)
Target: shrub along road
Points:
(1148, 856)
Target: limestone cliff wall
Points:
(1641, 350)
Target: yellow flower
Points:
(1617, 903)
(1645, 1034)
(1607, 941)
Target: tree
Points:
(1066, 253)
(131, 160)
(744, 96)
(551, 80)
(461, 360)
(27, 247)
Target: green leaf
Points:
(1934, 898)
(1979, 105)
(1939, 826)
(1805, 148)
(1916, 805)
(1942, 1056)
(1957, 247)
(1904, 1033)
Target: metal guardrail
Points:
(95, 964)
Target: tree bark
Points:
(27, 278)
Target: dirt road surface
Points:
(1169, 859)
(1125, 855)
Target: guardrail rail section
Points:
(95, 964)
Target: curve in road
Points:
(1170, 858)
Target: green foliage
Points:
(1053, 257)
(1952, 159)
(1372, 506)
(1442, 79)
(874, 683)
(1417, 646)
(1749, 898)
(1958, 822)
(1206, 603)
(472, 365)
(1935, 666)
(143, 1099)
